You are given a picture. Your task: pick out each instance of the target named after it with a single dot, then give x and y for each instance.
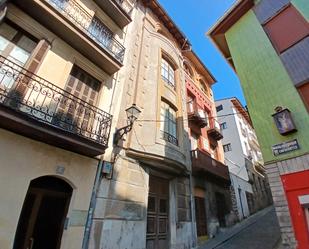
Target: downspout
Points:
(92, 205)
(193, 223)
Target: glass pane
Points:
(3, 43)
(26, 44)
(19, 56)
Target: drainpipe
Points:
(88, 225)
(193, 218)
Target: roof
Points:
(241, 110)
(200, 66)
(217, 32)
(167, 21)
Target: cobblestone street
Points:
(258, 232)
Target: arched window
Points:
(188, 69)
(203, 87)
(168, 72)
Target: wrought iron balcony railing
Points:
(169, 138)
(91, 25)
(38, 99)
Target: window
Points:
(223, 126)
(168, 123)
(167, 72)
(16, 46)
(188, 70)
(227, 147)
(203, 87)
(194, 140)
(286, 29)
(100, 32)
(219, 108)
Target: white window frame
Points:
(168, 72)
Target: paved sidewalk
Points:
(259, 231)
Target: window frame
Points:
(168, 120)
(270, 24)
(227, 147)
(168, 71)
(223, 126)
(219, 107)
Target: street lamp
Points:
(132, 114)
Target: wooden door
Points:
(157, 214)
(43, 215)
(200, 212)
(221, 208)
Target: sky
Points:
(195, 18)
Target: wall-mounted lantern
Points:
(132, 114)
(284, 121)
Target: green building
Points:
(267, 43)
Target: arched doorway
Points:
(43, 214)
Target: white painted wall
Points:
(236, 133)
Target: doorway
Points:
(200, 212)
(43, 215)
(157, 214)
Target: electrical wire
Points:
(189, 119)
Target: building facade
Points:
(243, 157)
(211, 181)
(147, 201)
(266, 42)
(59, 64)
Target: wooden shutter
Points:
(287, 28)
(37, 56)
(304, 93)
(32, 66)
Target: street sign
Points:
(286, 147)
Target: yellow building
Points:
(58, 72)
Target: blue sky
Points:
(194, 18)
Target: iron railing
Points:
(91, 25)
(31, 95)
(169, 138)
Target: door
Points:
(43, 214)
(157, 214)
(221, 208)
(200, 212)
(73, 114)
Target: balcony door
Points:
(16, 46)
(42, 218)
(157, 214)
(77, 113)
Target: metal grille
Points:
(92, 26)
(169, 138)
(39, 99)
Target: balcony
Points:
(197, 115)
(118, 10)
(38, 109)
(169, 138)
(214, 131)
(204, 164)
(84, 32)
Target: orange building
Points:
(211, 180)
